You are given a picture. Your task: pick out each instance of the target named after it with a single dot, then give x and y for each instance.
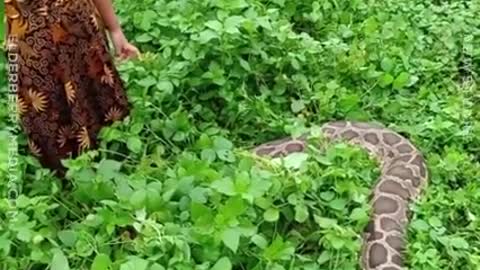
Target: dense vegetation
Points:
(172, 186)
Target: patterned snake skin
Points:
(404, 175)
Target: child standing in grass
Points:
(68, 87)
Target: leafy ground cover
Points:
(172, 187)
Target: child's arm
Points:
(122, 47)
(107, 12)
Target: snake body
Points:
(404, 175)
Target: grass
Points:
(173, 187)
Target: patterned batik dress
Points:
(68, 87)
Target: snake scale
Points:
(404, 175)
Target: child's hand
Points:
(123, 48)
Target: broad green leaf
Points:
(225, 186)
(199, 195)
(259, 187)
(327, 195)
(154, 199)
(24, 234)
(201, 214)
(386, 80)
(109, 168)
(147, 81)
(420, 225)
(143, 38)
(204, 142)
(165, 86)
(332, 85)
(281, 3)
(135, 144)
(338, 204)
(349, 102)
(235, 206)
(214, 25)
(245, 65)
(260, 241)
(68, 237)
(387, 64)
(232, 24)
(167, 52)
(297, 106)
(359, 214)
(5, 244)
(148, 17)
(271, 215)
(242, 183)
(337, 243)
(226, 155)
(208, 155)
(206, 36)
(101, 262)
(371, 25)
(139, 198)
(220, 143)
(301, 213)
(156, 266)
(231, 238)
(59, 261)
(324, 257)
(236, 4)
(401, 80)
(37, 239)
(188, 53)
(279, 250)
(435, 222)
(325, 222)
(295, 160)
(222, 264)
(136, 128)
(459, 242)
(135, 263)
